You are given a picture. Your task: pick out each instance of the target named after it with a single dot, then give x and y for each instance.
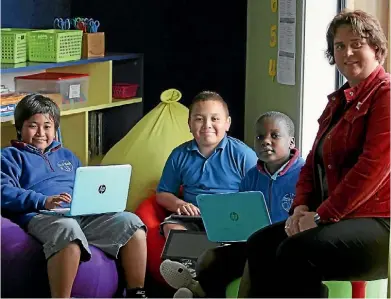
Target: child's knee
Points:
(73, 248)
(71, 251)
(137, 241)
(140, 235)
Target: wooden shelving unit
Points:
(118, 116)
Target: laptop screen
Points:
(183, 244)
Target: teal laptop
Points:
(97, 190)
(233, 217)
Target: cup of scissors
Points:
(88, 26)
(93, 41)
(62, 24)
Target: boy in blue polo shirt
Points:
(275, 175)
(210, 163)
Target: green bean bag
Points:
(337, 289)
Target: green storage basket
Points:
(13, 45)
(55, 45)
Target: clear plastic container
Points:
(66, 89)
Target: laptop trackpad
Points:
(61, 210)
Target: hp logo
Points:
(234, 216)
(102, 189)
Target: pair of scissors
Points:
(81, 25)
(59, 23)
(93, 26)
(74, 22)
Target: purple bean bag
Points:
(24, 274)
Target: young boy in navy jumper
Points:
(38, 173)
(275, 175)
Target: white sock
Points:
(178, 276)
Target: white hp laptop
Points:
(97, 190)
(233, 217)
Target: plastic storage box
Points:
(72, 89)
(13, 45)
(124, 90)
(54, 45)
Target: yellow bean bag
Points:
(149, 143)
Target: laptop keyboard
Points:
(190, 265)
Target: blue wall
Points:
(192, 45)
(33, 13)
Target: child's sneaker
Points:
(178, 276)
(183, 293)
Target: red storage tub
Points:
(124, 90)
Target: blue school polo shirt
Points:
(221, 172)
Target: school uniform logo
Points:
(287, 201)
(65, 165)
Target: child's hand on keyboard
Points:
(55, 201)
(188, 209)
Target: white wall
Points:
(319, 76)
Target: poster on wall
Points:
(286, 59)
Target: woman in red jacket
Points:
(339, 228)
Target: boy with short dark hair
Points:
(275, 175)
(210, 163)
(37, 173)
